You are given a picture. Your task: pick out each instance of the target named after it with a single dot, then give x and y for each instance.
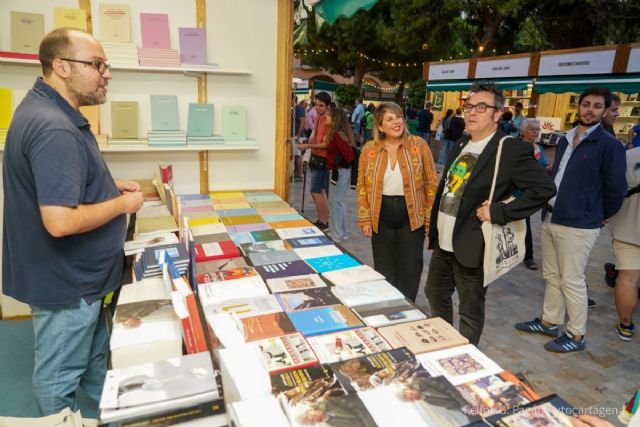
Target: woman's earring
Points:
(381, 134)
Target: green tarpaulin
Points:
(331, 10)
(319, 85)
(458, 85)
(625, 83)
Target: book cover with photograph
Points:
(264, 246)
(266, 326)
(228, 274)
(459, 364)
(285, 381)
(550, 411)
(286, 352)
(273, 257)
(384, 313)
(344, 345)
(306, 298)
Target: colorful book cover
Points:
(323, 320)
(234, 122)
(200, 120)
(295, 283)
(245, 228)
(115, 23)
(217, 250)
(289, 380)
(155, 30)
(267, 326)
(284, 269)
(124, 120)
(331, 263)
(550, 411)
(70, 18)
(164, 112)
(318, 251)
(268, 246)
(459, 364)
(211, 238)
(306, 298)
(27, 30)
(90, 112)
(292, 216)
(286, 352)
(222, 275)
(193, 45)
(290, 223)
(241, 219)
(264, 235)
(383, 313)
(6, 107)
(227, 195)
(345, 345)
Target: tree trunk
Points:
(358, 73)
(492, 21)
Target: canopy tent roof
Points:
(625, 83)
(458, 85)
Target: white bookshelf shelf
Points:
(141, 68)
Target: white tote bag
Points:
(503, 244)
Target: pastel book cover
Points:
(27, 30)
(6, 107)
(200, 120)
(211, 238)
(227, 195)
(423, 336)
(272, 257)
(193, 45)
(295, 283)
(306, 298)
(115, 23)
(70, 18)
(90, 112)
(264, 235)
(318, 251)
(290, 223)
(164, 112)
(322, 320)
(230, 205)
(125, 120)
(241, 219)
(236, 212)
(267, 326)
(246, 228)
(155, 30)
(276, 211)
(286, 352)
(353, 275)
(345, 345)
(281, 217)
(234, 122)
(331, 263)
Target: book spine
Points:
(188, 336)
(196, 324)
(175, 416)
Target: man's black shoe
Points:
(591, 303)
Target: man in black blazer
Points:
(461, 206)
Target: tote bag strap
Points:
(495, 169)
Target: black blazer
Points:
(519, 170)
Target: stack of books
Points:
(147, 263)
(156, 44)
(200, 126)
(121, 54)
(159, 57)
(165, 122)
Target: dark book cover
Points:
(264, 235)
(289, 380)
(308, 242)
(551, 411)
(267, 326)
(284, 269)
(306, 298)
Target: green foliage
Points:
(347, 94)
(416, 93)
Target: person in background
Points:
(340, 154)
(633, 138)
(396, 185)
(626, 247)
(312, 118)
(412, 120)
(461, 206)
(300, 124)
(611, 114)
(368, 115)
(529, 132)
(589, 173)
(445, 143)
(356, 117)
(64, 220)
(518, 117)
(506, 123)
(320, 177)
(425, 118)
(457, 126)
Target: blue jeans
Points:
(70, 352)
(426, 136)
(338, 205)
(445, 147)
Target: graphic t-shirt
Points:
(454, 187)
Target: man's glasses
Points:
(102, 67)
(480, 108)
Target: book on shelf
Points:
(323, 320)
(193, 45)
(267, 326)
(345, 345)
(286, 352)
(70, 18)
(234, 122)
(352, 275)
(155, 30)
(496, 394)
(272, 257)
(217, 250)
(6, 107)
(390, 312)
(164, 113)
(126, 142)
(295, 283)
(459, 364)
(27, 30)
(317, 251)
(423, 335)
(145, 325)
(200, 120)
(125, 120)
(115, 23)
(220, 292)
(246, 307)
(360, 294)
(284, 269)
(331, 263)
(306, 298)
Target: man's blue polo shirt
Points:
(51, 158)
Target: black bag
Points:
(317, 162)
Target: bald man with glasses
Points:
(461, 206)
(64, 219)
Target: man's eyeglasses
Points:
(102, 67)
(480, 108)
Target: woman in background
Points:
(445, 143)
(396, 187)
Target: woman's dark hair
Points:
(340, 123)
(449, 113)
